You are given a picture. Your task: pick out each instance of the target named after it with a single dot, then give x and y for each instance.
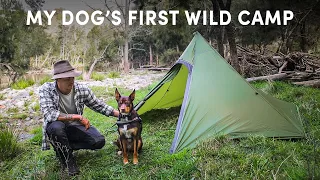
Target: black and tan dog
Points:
(129, 127)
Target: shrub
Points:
(1, 97)
(97, 77)
(22, 84)
(8, 143)
(114, 74)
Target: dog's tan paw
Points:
(135, 159)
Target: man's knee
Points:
(56, 128)
(99, 142)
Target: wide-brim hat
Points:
(63, 69)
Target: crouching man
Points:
(62, 103)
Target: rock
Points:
(22, 94)
(29, 123)
(19, 104)
(28, 119)
(25, 136)
(36, 118)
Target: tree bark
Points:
(231, 37)
(150, 53)
(233, 47)
(219, 34)
(88, 76)
(303, 41)
(126, 34)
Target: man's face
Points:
(65, 85)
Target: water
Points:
(36, 77)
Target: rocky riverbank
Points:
(20, 108)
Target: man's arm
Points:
(98, 105)
(69, 117)
(74, 117)
(47, 106)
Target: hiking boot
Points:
(72, 165)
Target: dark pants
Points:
(74, 137)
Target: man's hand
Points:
(85, 122)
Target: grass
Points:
(37, 107)
(114, 74)
(22, 84)
(218, 158)
(97, 76)
(19, 116)
(13, 110)
(9, 146)
(37, 138)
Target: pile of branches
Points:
(297, 67)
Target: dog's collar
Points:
(123, 117)
(126, 120)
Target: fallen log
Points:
(269, 77)
(154, 69)
(311, 83)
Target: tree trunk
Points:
(151, 58)
(303, 40)
(88, 76)
(231, 36)
(313, 83)
(233, 47)
(126, 56)
(269, 77)
(219, 34)
(157, 60)
(126, 34)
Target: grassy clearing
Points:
(218, 158)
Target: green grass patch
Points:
(37, 138)
(9, 146)
(1, 97)
(31, 93)
(97, 76)
(19, 116)
(37, 107)
(79, 78)
(22, 84)
(13, 110)
(114, 74)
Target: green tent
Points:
(216, 100)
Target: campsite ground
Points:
(217, 158)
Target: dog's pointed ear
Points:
(133, 95)
(117, 94)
